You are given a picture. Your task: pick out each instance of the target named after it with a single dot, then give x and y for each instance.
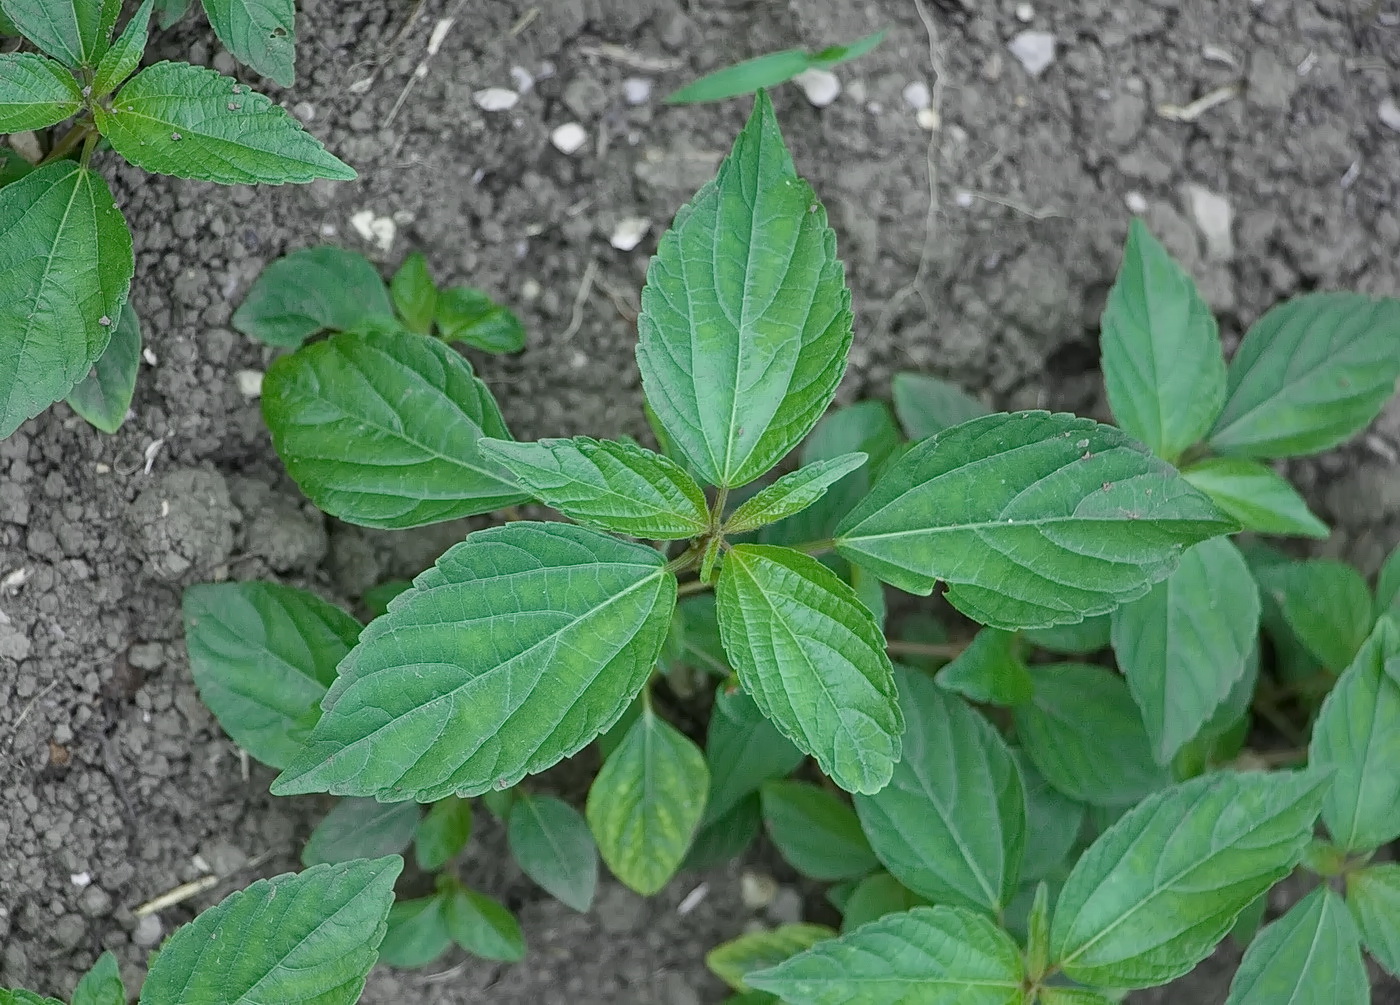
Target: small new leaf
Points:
(926, 405)
(125, 54)
(361, 828)
(35, 92)
(483, 927)
(315, 289)
(258, 33)
(552, 845)
(791, 493)
(874, 897)
(471, 317)
(443, 833)
(768, 70)
(1256, 496)
(417, 932)
(415, 295)
(738, 958)
(104, 395)
(816, 832)
(1311, 954)
(102, 985)
(1373, 894)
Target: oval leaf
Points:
(443, 833)
(743, 750)
(35, 92)
(104, 395)
(1053, 822)
(1326, 603)
(415, 294)
(791, 493)
(471, 317)
(768, 70)
(990, 670)
(258, 33)
(1258, 497)
(312, 290)
(361, 828)
(483, 927)
(514, 651)
(1373, 894)
(816, 832)
(926, 405)
(417, 932)
(1033, 519)
(874, 897)
(553, 846)
(739, 957)
(1311, 954)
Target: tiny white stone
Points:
(821, 86)
(757, 889)
(1214, 218)
(1390, 114)
(568, 138)
(1136, 203)
(378, 230)
(629, 232)
(1035, 50)
(523, 79)
(249, 383)
(917, 96)
(636, 90)
(149, 357)
(1025, 13)
(495, 99)
(148, 931)
(963, 198)
(530, 290)
(81, 879)
(927, 119)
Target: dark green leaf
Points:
(258, 33)
(125, 54)
(13, 167)
(726, 836)
(483, 927)
(1311, 954)
(1373, 894)
(104, 395)
(704, 649)
(443, 833)
(102, 985)
(377, 598)
(1388, 584)
(415, 295)
(738, 958)
(743, 750)
(361, 828)
(874, 897)
(1256, 496)
(417, 932)
(1082, 639)
(471, 317)
(791, 493)
(816, 832)
(926, 405)
(551, 842)
(75, 31)
(1246, 926)
(990, 670)
(834, 54)
(35, 92)
(1326, 603)
(1053, 822)
(310, 291)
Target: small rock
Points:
(1136, 203)
(1214, 219)
(1035, 50)
(80, 879)
(1390, 114)
(629, 232)
(68, 931)
(822, 87)
(95, 902)
(249, 383)
(1025, 13)
(523, 79)
(786, 908)
(148, 931)
(568, 138)
(585, 97)
(223, 62)
(1272, 82)
(148, 656)
(917, 96)
(757, 889)
(636, 90)
(927, 118)
(495, 99)
(378, 230)
(14, 644)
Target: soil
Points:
(118, 784)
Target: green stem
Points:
(80, 132)
(694, 586)
(717, 511)
(89, 145)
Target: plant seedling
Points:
(769, 70)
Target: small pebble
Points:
(917, 96)
(1035, 50)
(927, 119)
(1025, 13)
(80, 879)
(568, 138)
(757, 889)
(822, 87)
(1214, 218)
(786, 908)
(963, 198)
(1136, 203)
(523, 79)
(495, 99)
(148, 931)
(249, 383)
(629, 232)
(1390, 114)
(637, 90)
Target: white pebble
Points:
(963, 198)
(1214, 218)
(568, 138)
(1035, 50)
(1136, 203)
(530, 290)
(637, 90)
(148, 931)
(927, 119)
(495, 99)
(757, 889)
(378, 230)
(1025, 13)
(523, 79)
(1390, 114)
(629, 232)
(80, 879)
(821, 86)
(249, 383)
(917, 96)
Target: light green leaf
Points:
(483, 927)
(1388, 584)
(816, 832)
(834, 54)
(1256, 496)
(791, 493)
(1082, 639)
(471, 317)
(1033, 519)
(552, 844)
(35, 92)
(312, 290)
(1155, 893)
(738, 958)
(1357, 736)
(809, 653)
(104, 395)
(1079, 712)
(645, 805)
(990, 670)
(928, 954)
(102, 985)
(1038, 931)
(1162, 365)
(514, 651)
(170, 11)
(188, 121)
(1326, 603)
(74, 31)
(263, 655)
(65, 266)
(726, 836)
(1309, 374)
(607, 484)
(298, 937)
(415, 294)
(385, 430)
(443, 833)
(874, 897)
(417, 932)
(361, 828)
(19, 996)
(743, 750)
(1311, 954)
(1053, 822)
(951, 824)
(258, 33)
(125, 54)
(926, 405)
(746, 319)
(768, 70)
(1373, 894)
(1181, 657)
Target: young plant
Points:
(769, 70)
(65, 251)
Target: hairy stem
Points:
(80, 132)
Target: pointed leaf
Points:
(1373, 894)
(1155, 893)
(188, 121)
(471, 317)
(791, 493)
(990, 670)
(258, 33)
(1311, 954)
(483, 927)
(736, 959)
(1326, 603)
(35, 92)
(514, 651)
(1053, 822)
(65, 266)
(293, 938)
(1256, 496)
(415, 295)
(951, 824)
(1033, 519)
(263, 655)
(74, 31)
(809, 653)
(417, 932)
(607, 484)
(443, 833)
(104, 395)
(926, 405)
(551, 842)
(385, 430)
(874, 897)
(743, 750)
(746, 318)
(1038, 931)
(929, 954)
(125, 54)
(315, 289)
(102, 985)
(768, 70)
(816, 832)
(361, 828)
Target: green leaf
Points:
(1256, 496)
(811, 656)
(726, 836)
(703, 647)
(417, 932)
(298, 937)
(1079, 713)
(377, 598)
(19, 996)
(102, 985)
(951, 824)
(514, 651)
(1388, 584)
(1180, 655)
(1073, 996)
(926, 405)
(607, 484)
(1033, 519)
(1038, 931)
(65, 266)
(35, 92)
(791, 493)
(646, 803)
(928, 954)
(738, 958)
(1053, 822)
(1373, 894)
(483, 927)
(74, 31)
(1326, 603)
(1357, 736)
(170, 11)
(1309, 374)
(258, 33)
(104, 395)
(385, 431)
(361, 828)
(188, 121)
(1162, 365)
(125, 54)
(263, 655)
(443, 833)
(874, 897)
(1082, 639)
(471, 317)
(768, 70)
(609, 741)
(990, 670)
(834, 54)
(1311, 954)
(13, 167)
(1246, 926)
(552, 844)
(816, 832)
(746, 319)
(1155, 893)
(743, 750)
(415, 294)
(312, 290)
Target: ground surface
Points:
(112, 772)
